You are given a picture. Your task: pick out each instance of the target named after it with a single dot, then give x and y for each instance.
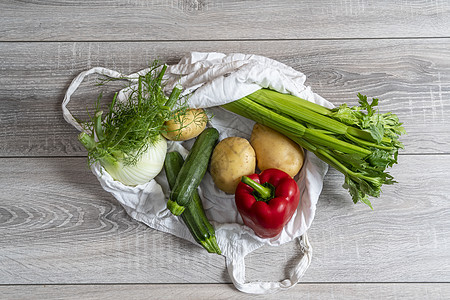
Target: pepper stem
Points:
(265, 193)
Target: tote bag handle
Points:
(236, 270)
(79, 79)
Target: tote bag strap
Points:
(79, 79)
(236, 270)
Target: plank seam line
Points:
(215, 283)
(230, 40)
(84, 156)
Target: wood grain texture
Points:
(411, 77)
(59, 227)
(63, 237)
(140, 20)
(346, 291)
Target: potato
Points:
(231, 159)
(274, 150)
(187, 126)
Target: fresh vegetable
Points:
(127, 141)
(267, 201)
(192, 171)
(143, 170)
(188, 124)
(232, 158)
(275, 150)
(194, 215)
(357, 141)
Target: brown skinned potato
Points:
(232, 158)
(274, 150)
(193, 122)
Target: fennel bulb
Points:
(149, 164)
(127, 141)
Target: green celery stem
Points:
(296, 108)
(328, 141)
(308, 112)
(289, 127)
(258, 113)
(264, 192)
(271, 94)
(325, 156)
(329, 159)
(366, 143)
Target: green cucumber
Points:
(192, 171)
(194, 215)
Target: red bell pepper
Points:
(266, 202)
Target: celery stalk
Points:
(271, 95)
(357, 141)
(266, 117)
(298, 109)
(309, 112)
(290, 127)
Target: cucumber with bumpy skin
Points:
(194, 215)
(192, 171)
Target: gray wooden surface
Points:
(62, 236)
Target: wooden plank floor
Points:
(62, 236)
